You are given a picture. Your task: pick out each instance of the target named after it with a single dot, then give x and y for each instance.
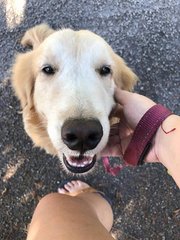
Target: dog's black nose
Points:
(81, 134)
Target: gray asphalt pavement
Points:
(146, 201)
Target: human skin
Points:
(165, 144)
(72, 214)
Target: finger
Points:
(109, 151)
(151, 156)
(114, 130)
(117, 111)
(122, 96)
(120, 129)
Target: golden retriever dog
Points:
(65, 85)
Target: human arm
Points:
(165, 146)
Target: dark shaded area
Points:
(146, 34)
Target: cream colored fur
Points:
(76, 90)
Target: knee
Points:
(51, 199)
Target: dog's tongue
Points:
(112, 170)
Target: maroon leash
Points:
(142, 138)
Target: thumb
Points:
(122, 96)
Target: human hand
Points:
(131, 107)
(134, 106)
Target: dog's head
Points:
(66, 87)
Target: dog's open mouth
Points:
(79, 164)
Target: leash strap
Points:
(143, 134)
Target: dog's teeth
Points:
(81, 163)
(74, 164)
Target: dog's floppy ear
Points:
(124, 77)
(23, 79)
(22, 72)
(36, 35)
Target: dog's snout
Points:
(81, 134)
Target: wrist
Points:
(166, 140)
(167, 146)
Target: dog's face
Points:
(69, 79)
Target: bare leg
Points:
(77, 213)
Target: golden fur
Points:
(24, 78)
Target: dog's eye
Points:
(48, 70)
(104, 71)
